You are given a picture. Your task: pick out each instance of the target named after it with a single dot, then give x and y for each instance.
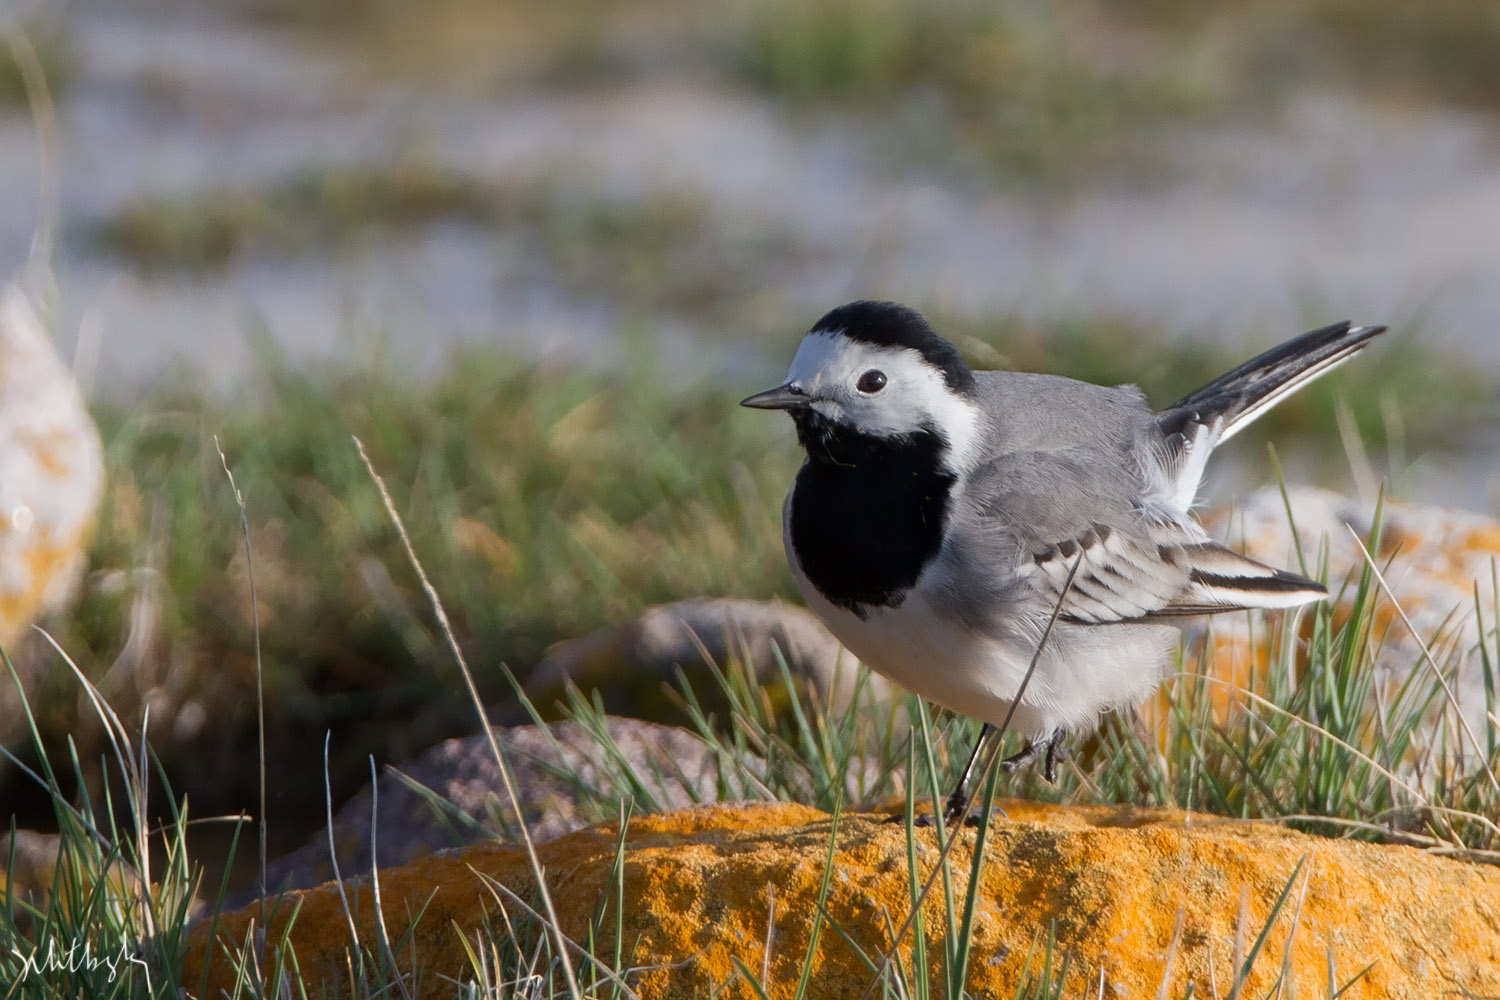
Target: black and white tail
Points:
(1198, 422)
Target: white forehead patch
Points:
(817, 352)
(827, 367)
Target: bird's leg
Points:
(958, 803)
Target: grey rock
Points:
(32, 858)
(630, 665)
(453, 795)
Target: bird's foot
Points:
(956, 810)
(958, 806)
(1049, 752)
(970, 818)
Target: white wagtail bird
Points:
(1018, 548)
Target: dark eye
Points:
(871, 381)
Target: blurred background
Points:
(533, 253)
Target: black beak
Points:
(783, 397)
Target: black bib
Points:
(867, 512)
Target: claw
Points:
(957, 807)
(1056, 754)
(1049, 751)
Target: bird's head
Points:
(876, 371)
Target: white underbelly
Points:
(1084, 670)
(926, 653)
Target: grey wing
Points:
(1038, 514)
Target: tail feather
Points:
(1198, 422)
(1237, 397)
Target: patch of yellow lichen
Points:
(44, 560)
(50, 447)
(706, 889)
(1483, 540)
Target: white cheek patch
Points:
(961, 421)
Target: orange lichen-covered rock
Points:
(1136, 897)
(51, 471)
(1439, 564)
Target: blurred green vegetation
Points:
(659, 250)
(1018, 86)
(844, 48)
(1425, 49)
(492, 43)
(1157, 55)
(1033, 91)
(307, 212)
(41, 40)
(1052, 92)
